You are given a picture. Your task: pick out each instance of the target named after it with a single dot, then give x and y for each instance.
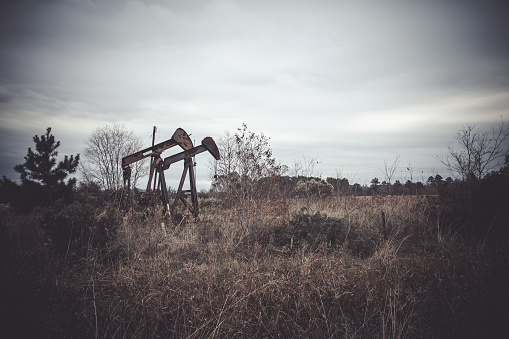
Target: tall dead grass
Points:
(213, 278)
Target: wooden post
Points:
(384, 226)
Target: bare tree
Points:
(476, 153)
(227, 165)
(304, 170)
(389, 170)
(249, 179)
(103, 155)
(246, 161)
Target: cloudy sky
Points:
(348, 83)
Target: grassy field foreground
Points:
(295, 269)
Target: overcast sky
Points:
(349, 83)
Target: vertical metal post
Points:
(192, 179)
(155, 180)
(384, 226)
(179, 191)
(152, 162)
(164, 191)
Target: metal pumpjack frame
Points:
(158, 166)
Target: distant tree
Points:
(41, 165)
(41, 174)
(388, 172)
(356, 188)
(246, 159)
(477, 153)
(435, 183)
(103, 155)
(314, 188)
(419, 187)
(343, 186)
(409, 187)
(374, 185)
(397, 187)
(439, 180)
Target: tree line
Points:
(247, 170)
(45, 180)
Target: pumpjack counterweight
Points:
(158, 166)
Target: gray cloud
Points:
(351, 82)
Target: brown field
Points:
(231, 274)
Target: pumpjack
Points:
(158, 166)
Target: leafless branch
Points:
(103, 155)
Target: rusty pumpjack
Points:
(158, 166)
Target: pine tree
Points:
(41, 166)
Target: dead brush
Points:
(201, 282)
(213, 278)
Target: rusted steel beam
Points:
(180, 195)
(164, 191)
(207, 144)
(211, 146)
(180, 137)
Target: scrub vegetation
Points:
(265, 259)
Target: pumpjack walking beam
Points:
(180, 137)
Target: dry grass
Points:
(212, 278)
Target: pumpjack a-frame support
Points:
(158, 166)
